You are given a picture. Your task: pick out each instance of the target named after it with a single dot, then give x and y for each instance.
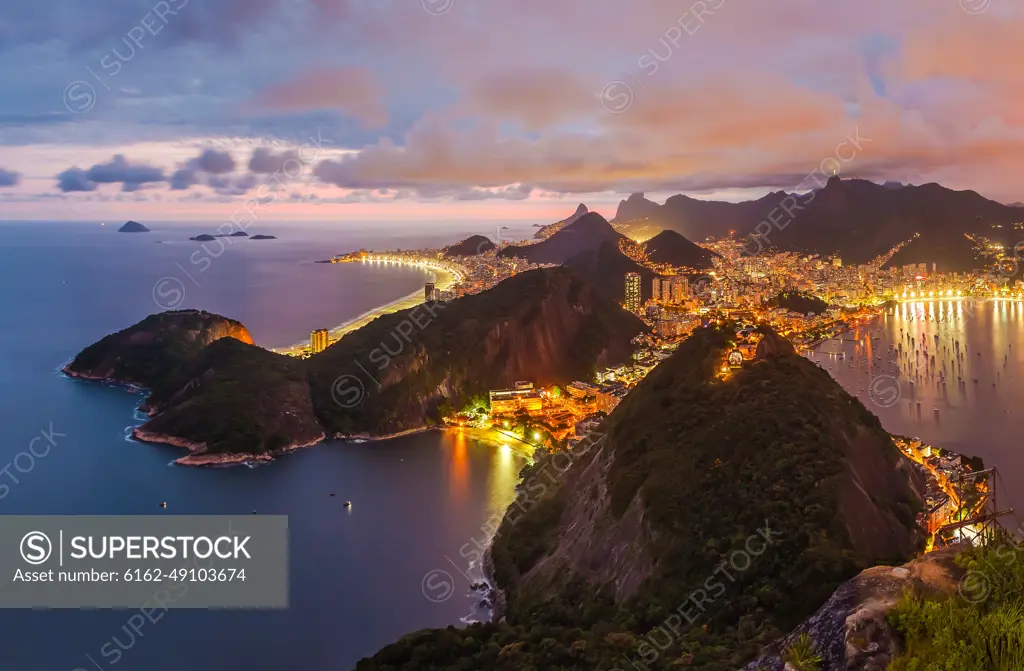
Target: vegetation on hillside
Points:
(798, 301)
(721, 467)
(979, 629)
(236, 398)
(402, 371)
(548, 326)
(156, 348)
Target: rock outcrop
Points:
(850, 631)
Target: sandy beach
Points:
(442, 279)
(495, 438)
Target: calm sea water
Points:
(356, 575)
(972, 404)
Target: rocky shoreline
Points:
(200, 457)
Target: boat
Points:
(348, 504)
(163, 504)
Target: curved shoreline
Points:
(443, 280)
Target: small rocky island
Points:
(205, 237)
(132, 227)
(263, 237)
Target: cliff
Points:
(548, 326)
(708, 517)
(155, 348)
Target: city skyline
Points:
(180, 111)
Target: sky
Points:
(363, 110)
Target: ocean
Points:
(972, 404)
(393, 563)
(360, 577)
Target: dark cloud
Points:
(9, 178)
(74, 179)
(120, 171)
(183, 179)
(215, 162)
(231, 186)
(265, 161)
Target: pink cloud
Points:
(352, 91)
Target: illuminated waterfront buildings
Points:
(318, 341)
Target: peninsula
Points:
(214, 392)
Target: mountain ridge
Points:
(854, 218)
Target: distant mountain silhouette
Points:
(636, 207)
(132, 227)
(673, 248)
(1017, 204)
(471, 246)
(861, 220)
(605, 268)
(547, 231)
(857, 219)
(586, 233)
(696, 219)
(580, 211)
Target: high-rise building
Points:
(428, 291)
(633, 299)
(680, 287)
(318, 340)
(656, 289)
(837, 262)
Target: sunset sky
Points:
(465, 109)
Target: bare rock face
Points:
(850, 631)
(606, 554)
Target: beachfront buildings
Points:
(318, 341)
(522, 397)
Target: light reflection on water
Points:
(970, 402)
